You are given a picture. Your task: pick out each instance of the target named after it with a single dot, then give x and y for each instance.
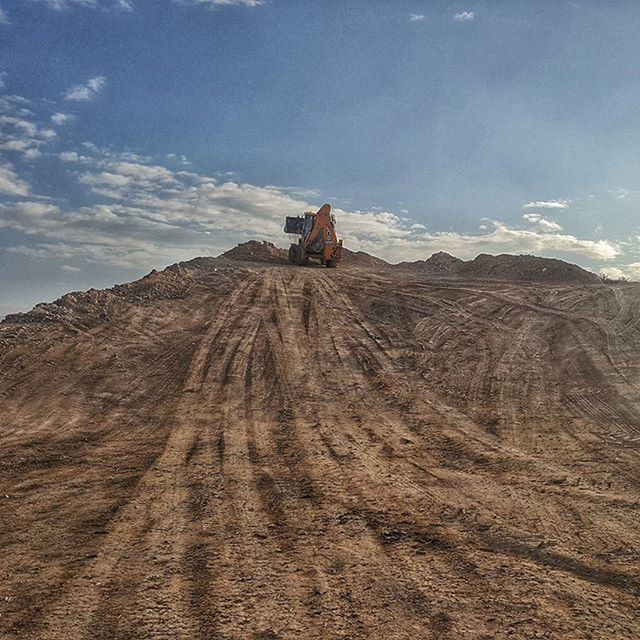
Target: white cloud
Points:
(541, 222)
(10, 183)
(19, 135)
(416, 17)
(153, 216)
(4, 18)
(217, 3)
(501, 239)
(69, 156)
(20, 124)
(104, 5)
(547, 204)
(87, 91)
(629, 271)
(61, 118)
(464, 16)
(621, 194)
(59, 5)
(128, 5)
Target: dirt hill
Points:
(362, 259)
(441, 263)
(525, 268)
(256, 251)
(503, 267)
(235, 448)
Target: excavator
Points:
(318, 239)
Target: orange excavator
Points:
(318, 238)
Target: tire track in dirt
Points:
(155, 514)
(317, 482)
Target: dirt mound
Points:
(256, 251)
(82, 309)
(439, 262)
(520, 268)
(525, 268)
(362, 259)
(200, 264)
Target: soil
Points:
(439, 262)
(503, 267)
(229, 449)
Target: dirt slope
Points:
(273, 452)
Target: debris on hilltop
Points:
(85, 308)
(526, 268)
(256, 251)
(440, 262)
(520, 268)
(82, 309)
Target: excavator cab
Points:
(318, 239)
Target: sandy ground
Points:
(309, 453)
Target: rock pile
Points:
(439, 262)
(256, 251)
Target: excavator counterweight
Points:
(318, 239)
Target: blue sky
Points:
(134, 133)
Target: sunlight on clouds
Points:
(147, 214)
(156, 213)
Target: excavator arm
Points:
(323, 231)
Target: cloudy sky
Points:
(135, 133)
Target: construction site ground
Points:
(277, 452)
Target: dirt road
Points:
(304, 453)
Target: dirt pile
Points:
(86, 308)
(362, 259)
(518, 268)
(439, 262)
(256, 251)
(525, 268)
(205, 264)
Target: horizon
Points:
(137, 134)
